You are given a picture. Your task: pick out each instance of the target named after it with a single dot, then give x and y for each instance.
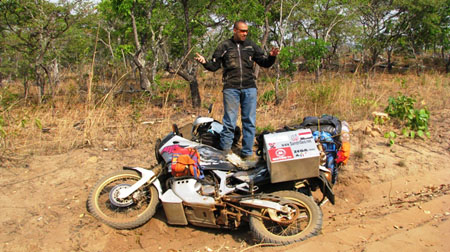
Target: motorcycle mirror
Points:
(210, 108)
(175, 129)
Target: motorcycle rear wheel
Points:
(308, 223)
(135, 210)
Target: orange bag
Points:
(182, 165)
(185, 162)
(344, 153)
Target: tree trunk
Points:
(266, 33)
(154, 70)
(419, 68)
(40, 82)
(144, 81)
(193, 85)
(26, 88)
(389, 63)
(50, 80)
(1, 75)
(190, 76)
(138, 58)
(55, 72)
(196, 100)
(373, 58)
(317, 75)
(447, 66)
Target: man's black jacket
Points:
(237, 62)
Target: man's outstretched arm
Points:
(215, 63)
(263, 60)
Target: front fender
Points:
(146, 175)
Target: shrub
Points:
(415, 120)
(2, 124)
(268, 97)
(7, 97)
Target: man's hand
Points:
(200, 58)
(274, 52)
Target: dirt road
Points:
(388, 199)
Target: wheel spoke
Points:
(283, 228)
(122, 212)
(299, 224)
(129, 212)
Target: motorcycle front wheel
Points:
(308, 221)
(128, 213)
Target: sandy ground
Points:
(388, 199)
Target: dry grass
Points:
(351, 97)
(136, 120)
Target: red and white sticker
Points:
(281, 154)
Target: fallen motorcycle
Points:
(273, 195)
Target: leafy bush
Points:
(400, 107)
(7, 97)
(363, 102)
(165, 86)
(286, 57)
(322, 93)
(2, 131)
(419, 122)
(268, 128)
(391, 135)
(313, 50)
(415, 120)
(268, 97)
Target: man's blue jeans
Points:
(232, 100)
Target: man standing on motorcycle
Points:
(237, 56)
